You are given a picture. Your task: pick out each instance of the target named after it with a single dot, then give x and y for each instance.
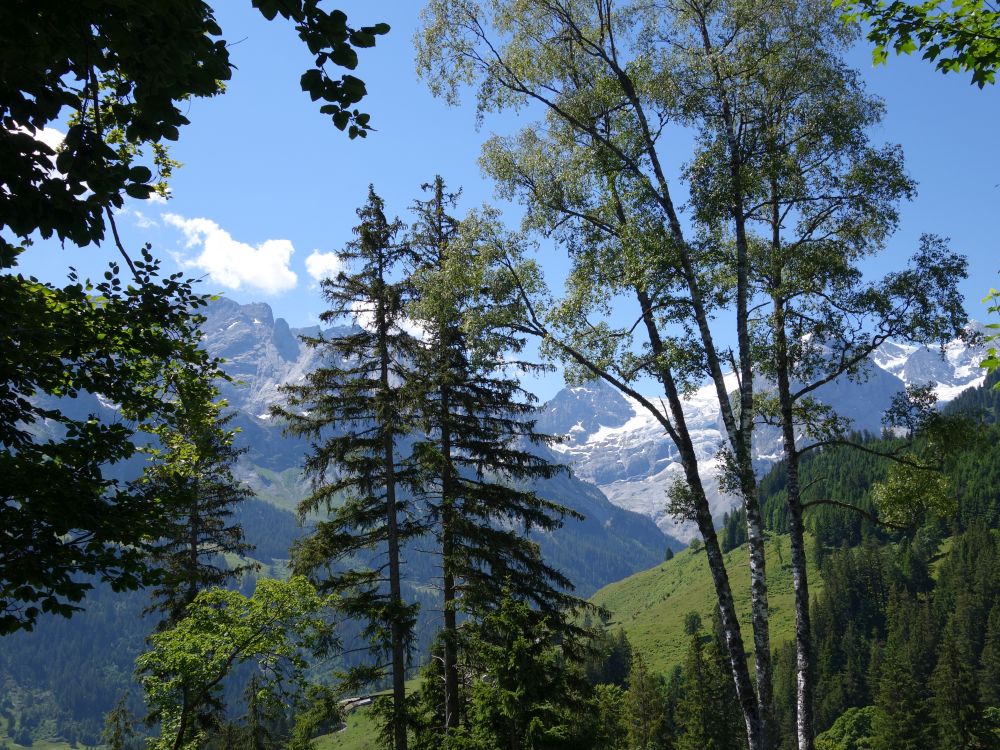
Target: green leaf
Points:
(140, 174)
(135, 190)
(268, 8)
(341, 118)
(362, 39)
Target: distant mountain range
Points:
(262, 353)
(611, 442)
(615, 443)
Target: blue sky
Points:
(269, 187)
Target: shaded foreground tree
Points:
(118, 78)
(60, 344)
(357, 409)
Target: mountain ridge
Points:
(630, 458)
(608, 439)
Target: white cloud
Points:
(236, 264)
(49, 136)
(363, 315)
(138, 217)
(323, 265)
(144, 222)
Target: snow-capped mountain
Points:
(610, 440)
(614, 442)
(624, 450)
(950, 370)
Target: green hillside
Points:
(651, 605)
(359, 734)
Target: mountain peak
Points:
(614, 443)
(261, 353)
(580, 411)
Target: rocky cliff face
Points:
(261, 353)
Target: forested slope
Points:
(906, 622)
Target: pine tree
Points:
(902, 719)
(612, 661)
(192, 470)
(476, 458)
(355, 409)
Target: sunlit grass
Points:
(650, 606)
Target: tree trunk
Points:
(741, 435)
(748, 699)
(451, 693)
(397, 634)
(805, 731)
(760, 614)
(745, 694)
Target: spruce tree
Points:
(955, 703)
(902, 719)
(477, 460)
(355, 409)
(989, 661)
(532, 694)
(645, 707)
(707, 713)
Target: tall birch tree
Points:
(821, 199)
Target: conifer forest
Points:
(641, 391)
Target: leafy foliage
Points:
(330, 39)
(959, 37)
(105, 65)
(851, 731)
(118, 77)
(183, 671)
(992, 360)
